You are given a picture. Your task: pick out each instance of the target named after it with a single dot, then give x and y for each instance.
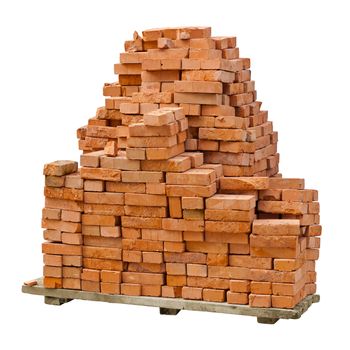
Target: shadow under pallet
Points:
(172, 306)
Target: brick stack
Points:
(178, 194)
(61, 219)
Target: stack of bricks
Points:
(61, 219)
(178, 194)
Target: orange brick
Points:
(61, 249)
(176, 247)
(152, 257)
(261, 287)
(286, 183)
(71, 260)
(131, 289)
(151, 290)
(52, 260)
(53, 282)
(175, 280)
(192, 293)
(237, 298)
(230, 201)
(193, 236)
(244, 183)
(171, 292)
(72, 238)
(197, 270)
(132, 256)
(192, 203)
(207, 247)
(90, 275)
(240, 286)
(259, 300)
(110, 288)
(176, 268)
(215, 295)
(102, 253)
(217, 259)
(52, 271)
(278, 227)
(73, 283)
(175, 209)
(60, 168)
(111, 276)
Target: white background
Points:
(55, 57)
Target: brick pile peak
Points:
(178, 194)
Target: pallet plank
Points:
(172, 305)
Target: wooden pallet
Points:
(172, 306)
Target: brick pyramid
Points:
(178, 194)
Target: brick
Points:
(226, 237)
(282, 207)
(230, 201)
(174, 247)
(159, 117)
(192, 293)
(191, 190)
(198, 87)
(140, 222)
(152, 257)
(146, 199)
(145, 211)
(143, 278)
(217, 259)
(207, 247)
(71, 272)
(103, 264)
(111, 276)
(60, 168)
(130, 289)
(192, 177)
(52, 214)
(229, 215)
(94, 185)
(250, 262)
(222, 134)
(72, 216)
(186, 257)
(258, 300)
(240, 286)
(103, 220)
(176, 268)
(237, 298)
(71, 238)
(192, 203)
(120, 162)
(100, 174)
(52, 271)
(171, 292)
(142, 176)
(90, 275)
(229, 272)
(261, 287)
(52, 260)
(197, 98)
(110, 288)
(110, 231)
(72, 260)
(214, 295)
(72, 283)
(155, 188)
(102, 253)
(53, 282)
(274, 252)
(261, 241)
(142, 245)
(284, 301)
(281, 227)
(151, 290)
(125, 187)
(61, 249)
(183, 225)
(287, 264)
(175, 209)
(64, 193)
(227, 227)
(244, 183)
(55, 181)
(286, 183)
(61, 225)
(197, 270)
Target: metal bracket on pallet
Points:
(172, 306)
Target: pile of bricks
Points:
(178, 194)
